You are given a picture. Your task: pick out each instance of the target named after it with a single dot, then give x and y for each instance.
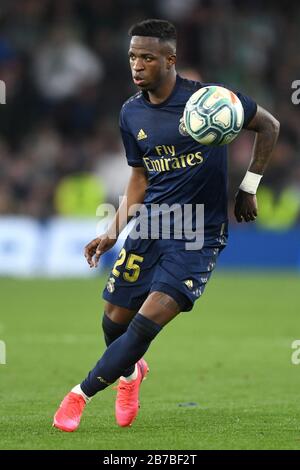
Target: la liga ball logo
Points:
(213, 115)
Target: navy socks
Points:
(112, 331)
(121, 354)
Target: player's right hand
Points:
(96, 248)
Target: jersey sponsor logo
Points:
(173, 163)
(142, 135)
(169, 160)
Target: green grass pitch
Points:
(231, 356)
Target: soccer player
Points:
(154, 279)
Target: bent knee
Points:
(118, 314)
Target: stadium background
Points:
(66, 72)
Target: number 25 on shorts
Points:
(132, 268)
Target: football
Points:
(213, 115)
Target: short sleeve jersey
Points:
(179, 169)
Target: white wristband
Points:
(250, 182)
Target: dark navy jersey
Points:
(180, 170)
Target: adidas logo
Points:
(189, 284)
(142, 135)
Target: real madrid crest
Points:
(110, 286)
(182, 128)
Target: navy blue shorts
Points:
(144, 266)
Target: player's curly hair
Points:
(162, 29)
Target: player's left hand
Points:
(245, 206)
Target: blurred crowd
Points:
(65, 66)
